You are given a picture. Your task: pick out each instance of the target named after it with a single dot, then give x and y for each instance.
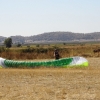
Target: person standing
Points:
(56, 54)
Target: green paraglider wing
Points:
(63, 62)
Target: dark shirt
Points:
(56, 54)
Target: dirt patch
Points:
(51, 83)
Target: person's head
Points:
(56, 50)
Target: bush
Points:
(2, 49)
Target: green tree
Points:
(8, 42)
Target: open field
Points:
(51, 83)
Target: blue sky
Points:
(32, 17)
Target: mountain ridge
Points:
(54, 37)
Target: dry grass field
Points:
(51, 83)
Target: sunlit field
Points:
(52, 83)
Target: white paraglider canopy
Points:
(2, 62)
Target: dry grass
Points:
(51, 83)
